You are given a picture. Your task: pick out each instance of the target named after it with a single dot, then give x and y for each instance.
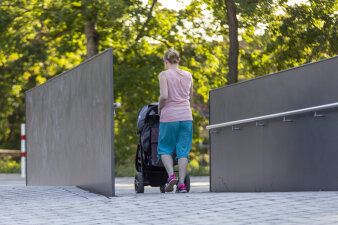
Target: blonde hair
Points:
(172, 56)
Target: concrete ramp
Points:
(297, 152)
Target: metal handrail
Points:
(271, 116)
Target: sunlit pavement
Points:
(70, 205)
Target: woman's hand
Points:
(163, 92)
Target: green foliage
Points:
(295, 35)
(127, 170)
(199, 171)
(199, 164)
(42, 38)
(9, 164)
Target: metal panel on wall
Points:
(279, 156)
(69, 124)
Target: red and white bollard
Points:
(23, 150)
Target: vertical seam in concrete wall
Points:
(26, 139)
(209, 146)
(112, 121)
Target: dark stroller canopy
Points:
(151, 109)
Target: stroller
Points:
(150, 170)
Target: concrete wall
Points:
(69, 127)
(297, 156)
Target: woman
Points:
(175, 119)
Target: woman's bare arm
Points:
(191, 90)
(163, 91)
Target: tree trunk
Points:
(233, 37)
(92, 38)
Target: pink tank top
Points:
(177, 106)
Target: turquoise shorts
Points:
(175, 135)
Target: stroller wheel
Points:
(162, 188)
(139, 188)
(187, 182)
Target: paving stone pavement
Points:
(70, 205)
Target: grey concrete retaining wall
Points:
(69, 127)
(296, 156)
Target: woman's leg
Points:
(167, 161)
(166, 144)
(182, 169)
(183, 146)
(166, 147)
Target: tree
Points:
(232, 15)
(39, 39)
(21, 48)
(42, 38)
(297, 34)
(233, 37)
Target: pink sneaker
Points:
(181, 188)
(169, 186)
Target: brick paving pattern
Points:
(71, 205)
